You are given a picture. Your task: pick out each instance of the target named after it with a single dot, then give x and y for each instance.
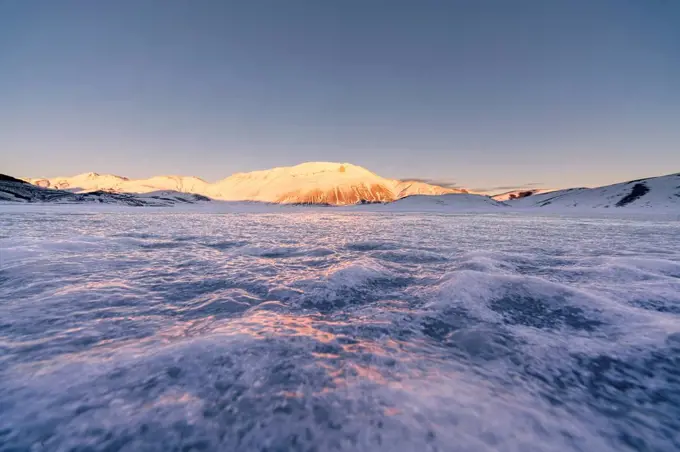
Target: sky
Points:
(480, 93)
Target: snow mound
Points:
(356, 274)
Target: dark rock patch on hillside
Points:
(638, 191)
(522, 194)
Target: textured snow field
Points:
(320, 331)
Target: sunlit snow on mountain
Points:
(307, 183)
(344, 184)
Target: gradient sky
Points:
(480, 93)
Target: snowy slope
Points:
(409, 188)
(654, 193)
(455, 202)
(515, 194)
(17, 191)
(307, 183)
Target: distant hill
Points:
(516, 194)
(16, 190)
(88, 182)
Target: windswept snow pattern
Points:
(325, 331)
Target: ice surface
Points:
(322, 329)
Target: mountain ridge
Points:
(307, 183)
(344, 184)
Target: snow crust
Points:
(337, 329)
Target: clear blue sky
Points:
(477, 92)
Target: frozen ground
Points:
(327, 330)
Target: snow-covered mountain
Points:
(329, 183)
(654, 193)
(318, 183)
(88, 182)
(516, 194)
(307, 183)
(16, 190)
